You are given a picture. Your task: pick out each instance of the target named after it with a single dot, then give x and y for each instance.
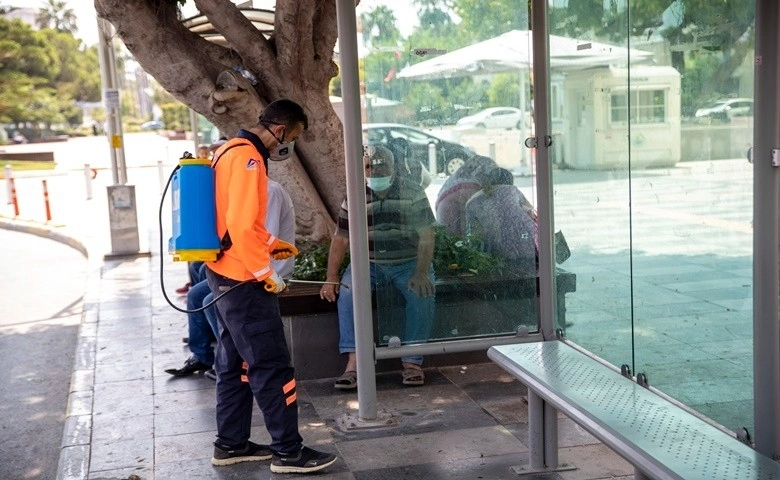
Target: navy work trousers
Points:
(250, 330)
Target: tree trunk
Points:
(295, 63)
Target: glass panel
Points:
(691, 223)
(591, 174)
(449, 96)
(655, 196)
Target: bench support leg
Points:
(542, 438)
(550, 436)
(536, 431)
(639, 475)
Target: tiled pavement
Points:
(466, 422)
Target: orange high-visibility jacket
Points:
(241, 196)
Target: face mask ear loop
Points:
(280, 142)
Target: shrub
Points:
(312, 261)
(456, 255)
(453, 255)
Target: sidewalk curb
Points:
(75, 448)
(46, 231)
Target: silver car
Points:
(727, 108)
(449, 155)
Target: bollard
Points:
(8, 175)
(14, 200)
(88, 180)
(432, 159)
(161, 176)
(492, 150)
(46, 201)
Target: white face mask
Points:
(283, 151)
(379, 184)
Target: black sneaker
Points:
(211, 374)
(305, 461)
(251, 453)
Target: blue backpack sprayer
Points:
(194, 219)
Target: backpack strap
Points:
(225, 242)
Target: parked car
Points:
(727, 108)
(152, 125)
(496, 117)
(449, 156)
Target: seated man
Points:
(400, 242)
(280, 221)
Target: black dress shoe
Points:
(191, 365)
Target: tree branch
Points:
(180, 61)
(325, 40)
(243, 37)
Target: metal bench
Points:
(659, 438)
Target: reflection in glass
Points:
(447, 128)
(656, 198)
(650, 121)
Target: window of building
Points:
(647, 106)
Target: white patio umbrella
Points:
(513, 51)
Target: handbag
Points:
(562, 252)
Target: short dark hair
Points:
(284, 112)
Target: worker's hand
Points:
(274, 283)
(284, 250)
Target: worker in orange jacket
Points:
(250, 325)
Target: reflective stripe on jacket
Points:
(241, 197)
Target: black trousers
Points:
(250, 330)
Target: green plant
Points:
(456, 255)
(311, 263)
(453, 255)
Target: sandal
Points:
(413, 376)
(347, 381)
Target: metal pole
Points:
(161, 176)
(111, 100)
(46, 200)
(544, 171)
(14, 198)
(194, 128)
(432, 160)
(453, 346)
(766, 212)
(8, 174)
(536, 431)
(356, 203)
(550, 436)
(122, 212)
(640, 475)
(88, 180)
(525, 163)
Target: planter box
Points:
(29, 156)
(465, 307)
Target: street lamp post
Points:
(122, 212)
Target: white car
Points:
(726, 109)
(496, 117)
